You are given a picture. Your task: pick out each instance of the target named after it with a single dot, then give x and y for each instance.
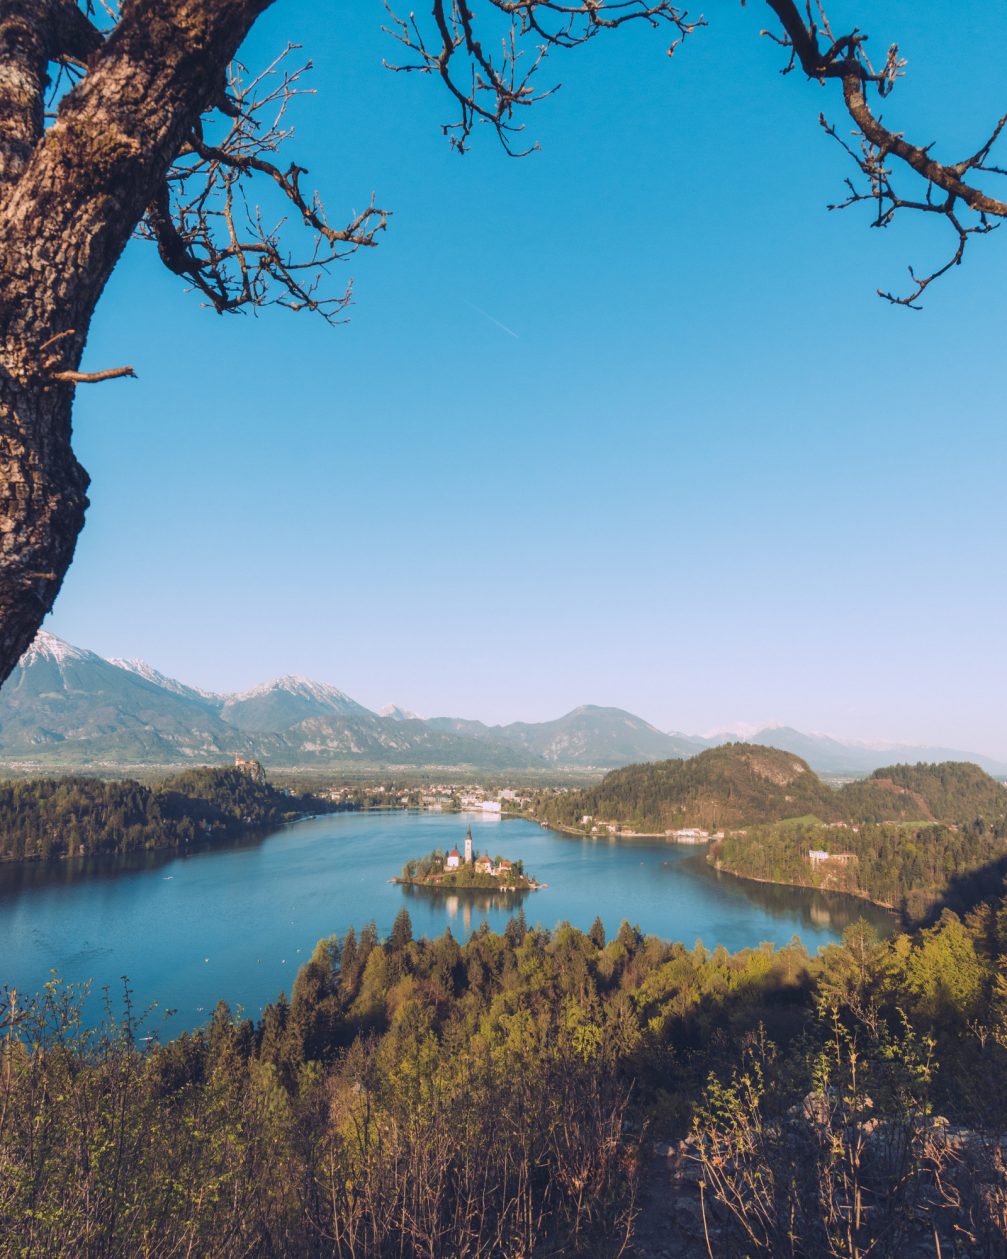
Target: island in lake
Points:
(468, 870)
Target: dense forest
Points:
(48, 818)
(734, 785)
(505, 1098)
(744, 784)
(908, 866)
(910, 836)
(955, 792)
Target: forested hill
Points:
(741, 784)
(910, 836)
(48, 818)
(733, 785)
(955, 792)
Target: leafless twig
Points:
(233, 250)
(493, 86)
(967, 208)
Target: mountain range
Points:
(66, 706)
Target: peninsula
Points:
(46, 819)
(467, 870)
(913, 838)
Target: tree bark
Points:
(69, 200)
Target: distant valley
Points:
(68, 707)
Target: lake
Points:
(236, 922)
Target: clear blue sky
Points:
(706, 475)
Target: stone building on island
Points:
(479, 865)
(454, 857)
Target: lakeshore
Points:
(526, 885)
(235, 922)
(857, 893)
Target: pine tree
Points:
(516, 929)
(402, 931)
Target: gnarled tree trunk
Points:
(70, 196)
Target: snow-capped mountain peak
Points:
(48, 647)
(305, 688)
(398, 714)
(743, 730)
(64, 705)
(149, 674)
(286, 701)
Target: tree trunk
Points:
(42, 502)
(67, 208)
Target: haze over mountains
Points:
(65, 706)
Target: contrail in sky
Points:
(485, 313)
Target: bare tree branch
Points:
(491, 87)
(91, 378)
(878, 146)
(70, 195)
(208, 230)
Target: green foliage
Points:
(915, 833)
(906, 865)
(402, 931)
(733, 785)
(431, 870)
(70, 817)
(424, 1097)
(742, 784)
(957, 793)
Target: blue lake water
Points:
(235, 923)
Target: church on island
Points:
(481, 865)
(455, 869)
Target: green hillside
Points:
(908, 836)
(909, 866)
(62, 817)
(955, 792)
(415, 1098)
(737, 784)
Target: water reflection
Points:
(28, 876)
(464, 900)
(680, 877)
(17, 877)
(235, 922)
(829, 911)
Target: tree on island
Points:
(153, 133)
(483, 873)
